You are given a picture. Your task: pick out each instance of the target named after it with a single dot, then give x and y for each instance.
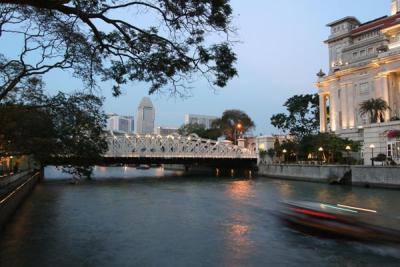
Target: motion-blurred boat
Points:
(342, 220)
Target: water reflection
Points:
(324, 195)
(191, 221)
(238, 239)
(285, 189)
(125, 172)
(240, 189)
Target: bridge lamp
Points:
(321, 149)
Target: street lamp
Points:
(238, 127)
(372, 146)
(321, 150)
(284, 155)
(10, 165)
(348, 149)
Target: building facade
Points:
(120, 124)
(145, 117)
(364, 63)
(200, 119)
(166, 130)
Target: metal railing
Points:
(173, 146)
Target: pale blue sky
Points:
(280, 52)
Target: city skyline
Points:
(261, 74)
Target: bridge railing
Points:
(172, 146)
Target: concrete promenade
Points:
(14, 193)
(384, 177)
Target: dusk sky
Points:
(280, 52)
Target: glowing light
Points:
(313, 213)
(321, 149)
(355, 208)
(336, 208)
(348, 148)
(372, 146)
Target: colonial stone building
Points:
(364, 63)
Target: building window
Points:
(339, 93)
(394, 150)
(355, 54)
(340, 120)
(370, 51)
(362, 53)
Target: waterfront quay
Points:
(162, 218)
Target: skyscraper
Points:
(120, 124)
(145, 117)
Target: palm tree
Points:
(375, 108)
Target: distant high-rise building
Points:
(120, 124)
(166, 130)
(200, 119)
(145, 117)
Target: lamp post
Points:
(238, 127)
(321, 150)
(284, 155)
(10, 165)
(372, 146)
(348, 149)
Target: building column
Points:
(322, 113)
(333, 111)
(382, 91)
(350, 106)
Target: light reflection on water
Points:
(100, 172)
(185, 221)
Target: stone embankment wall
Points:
(314, 173)
(14, 194)
(376, 176)
(356, 175)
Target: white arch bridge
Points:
(175, 149)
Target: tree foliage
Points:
(333, 147)
(200, 130)
(228, 124)
(62, 126)
(302, 116)
(375, 109)
(162, 42)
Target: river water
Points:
(172, 220)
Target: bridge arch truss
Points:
(172, 146)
